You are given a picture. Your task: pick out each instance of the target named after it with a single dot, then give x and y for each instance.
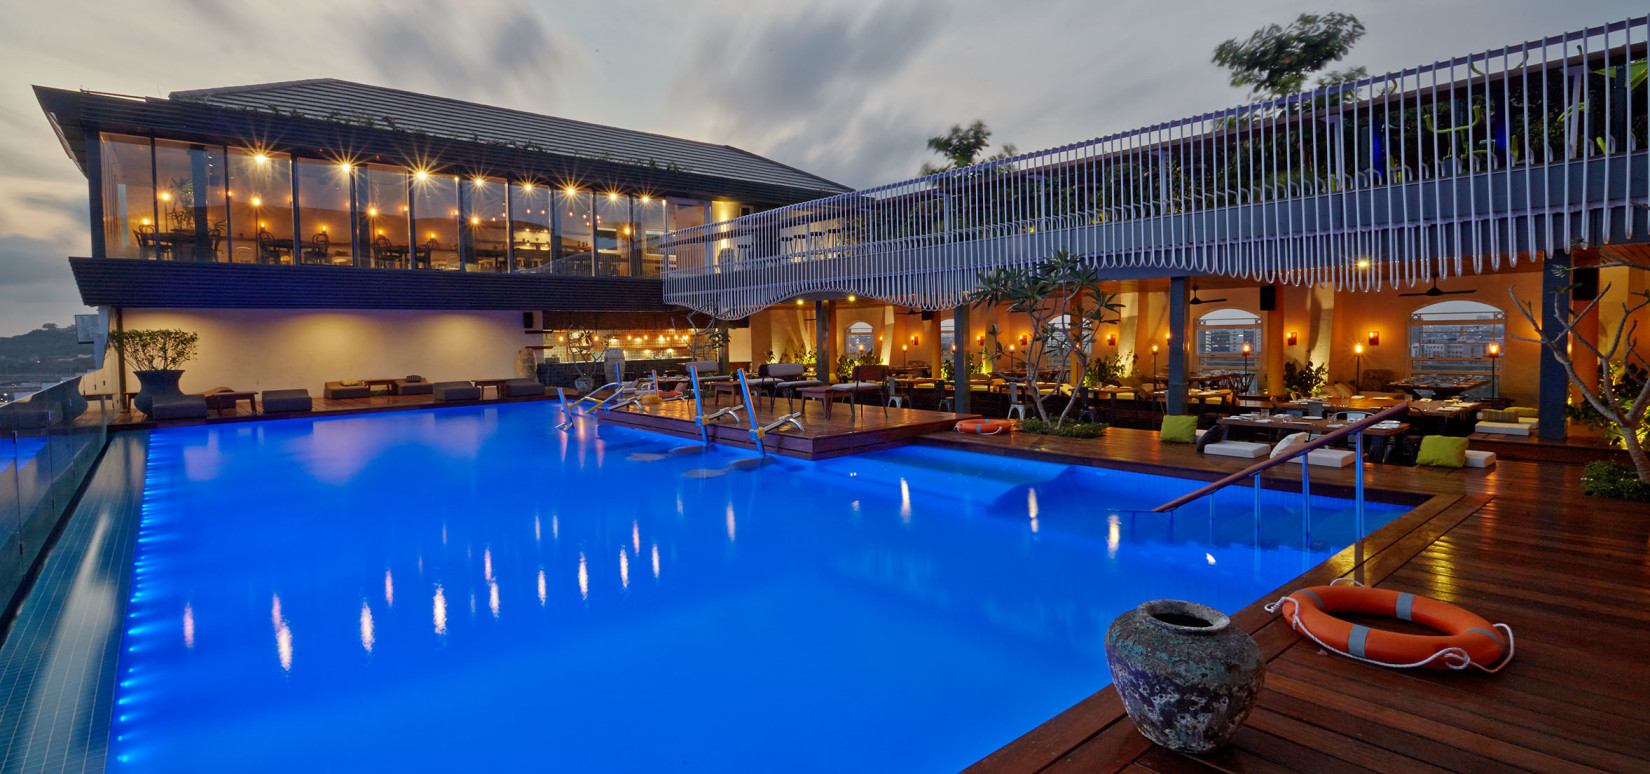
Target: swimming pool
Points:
(464, 588)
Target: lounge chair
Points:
(179, 407)
(412, 385)
(521, 388)
(445, 391)
(346, 389)
(287, 401)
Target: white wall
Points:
(271, 349)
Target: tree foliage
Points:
(1276, 61)
(962, 147)
(1063, 284)
(154, 350)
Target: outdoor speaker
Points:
(527, 320)
(1586, 283)
(927, 315)
(1269, 298)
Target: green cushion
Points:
(1442, 451)
(1524, 411)
(1179, 429)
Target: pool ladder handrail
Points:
(1354, 429)
(699, 416)
(571, 411)
(758, 433)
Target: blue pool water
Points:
(465, 588)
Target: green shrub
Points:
(1078, 430)
(1614, 480)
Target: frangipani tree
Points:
(1062, 298)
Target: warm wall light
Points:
(1290, 339)
(977, 339)
(915, 341)
(1111, 339)
(1374, 338)
(1022, 339)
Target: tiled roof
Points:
(329, 99)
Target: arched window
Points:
(1060, 344)
(1453, 338)
(1220, 337)
(860, 340)
(948, 334)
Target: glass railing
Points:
(49, 442)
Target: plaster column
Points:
(1178, 296)
(1272, 348)
(1554, 382)
(959, 359)
(824, 363)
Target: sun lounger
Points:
(520, 388)
(179, 407)
(287, 401)
(445, 391)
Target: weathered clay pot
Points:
(1187, 677)
(156, 384)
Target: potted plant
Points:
(154, 356)
(1303, 381)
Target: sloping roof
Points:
(330, 99)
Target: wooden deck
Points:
(1518, 544)
(136, 420)
(868, 429)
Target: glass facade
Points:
(325, 191)
(260, 207)
(384, 219)
(489, 225)
(179, 201)
(192, 213)
(1221, 337)
(530, 225)
(435, 205)
(574, 250)
(128, 196)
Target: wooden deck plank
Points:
(1518, 543)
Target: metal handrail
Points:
(1267, 464)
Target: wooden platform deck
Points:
(136, 420)
(868, 429)
(1518, 543)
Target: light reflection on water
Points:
(915, 607)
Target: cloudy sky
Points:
(845, 89)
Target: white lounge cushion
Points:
(1480, 459)
(1288, 444)
(1502, 428)
(1245, 449)
(1329, 458)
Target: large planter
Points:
(1187, 677)
(156, 384)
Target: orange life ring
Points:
(1467, 639)
(985, 426)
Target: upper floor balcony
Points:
(1456, 166)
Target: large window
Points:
(435, 210)
(260, 207)
(574, 253)
(948, 335)
(128, 197)
(488, 225)
(861, 340)
(650, 228)
(189, 200)
(1453, 338)
(324, 212)
(530, 225)
(384, 218)
(1221, 338)
(613, 235)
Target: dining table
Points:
(1444, 387)
(1386, 436)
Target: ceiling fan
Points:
(1434, 292)
(1195, 300)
